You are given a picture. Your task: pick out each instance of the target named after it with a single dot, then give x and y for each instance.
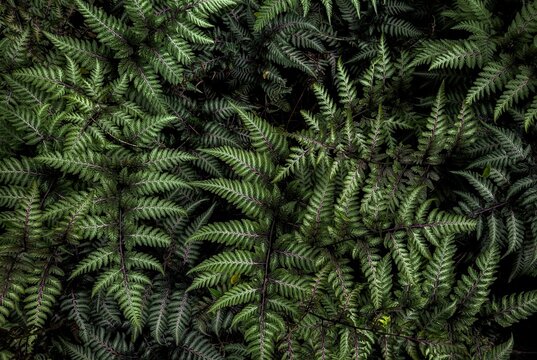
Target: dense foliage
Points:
(244, 179)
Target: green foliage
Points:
(241, 179)
(399, 242)
(499, 49)
(503, 196)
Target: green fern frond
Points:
(240, 294)
(110, 31)
(501, 351)
(493, 77)
(513, 308)
(242, 234)
(264, 137)
(247, 164)
(250, 197)
(472, 290)
(517, 89)
(180, 312)
(531, 114)
(234, 262)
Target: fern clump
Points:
(240, 179)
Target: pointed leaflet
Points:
(196, 345)
(517, 89)
(165, 159)
(240, 294)
(152, 208)
(346, 89)
(89, 166)
(158, 312)
(490, 79)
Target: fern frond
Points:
(517, 89)
(18, 171)
(472, 290)
(149, 182)
(438, 274)
(264, 137)
(88, 166)
(240, 294)
(501, 351)
(531, 114)
(250, 165)
(96, 260)
(512, 309)
(153, 208)
(250, 197)
(165, 159)
(232, 262)
(241, 234)
(180, 312)
(493, 77)
(269, 10)
(110, 31)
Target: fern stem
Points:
(487, 209)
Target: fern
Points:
(266, 180)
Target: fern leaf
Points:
(165, 159)
(230, 262)
(269, 10)
(88, 166)
(460, 54)
(347, 91)
(179, 315)
(264, 137)
(515, 228)
(513, 308)
(241, 234)
(500, 352)
(197, 346)
(483, 186)
(531, 114)
(180, 49)
(157, 315)
(240, 294)
(438, 274)
(492, 78)
(110, 31)
(97, 259)
(253, 199)
(297, 159)
(153, 208)
(149, 182)
(515, 90)
(472, 290)
(193, 34)
(18, 171)
(250, 165)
